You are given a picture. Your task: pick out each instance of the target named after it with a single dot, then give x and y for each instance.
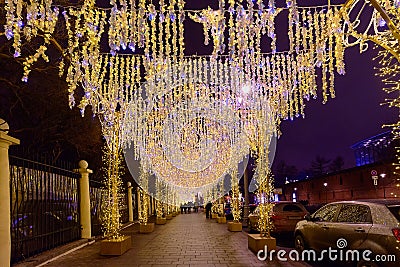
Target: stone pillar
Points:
(130, 207)
(5, 236)
(246, 208)
(85, 200)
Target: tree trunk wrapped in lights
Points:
(159, 212)
(260, 137)
(112, 158)
(144, 197)
(265, 191)
(220, 205)
(235, 206)
(265, 224)
(159, 205)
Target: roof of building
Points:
(374, 140)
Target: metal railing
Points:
(44, 207)
(45, 204)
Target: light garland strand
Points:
(113, 158)
(235, 206)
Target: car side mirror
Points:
(308, 217)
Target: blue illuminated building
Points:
(379, 148)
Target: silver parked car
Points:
(372, 225)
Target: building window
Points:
(340, 180)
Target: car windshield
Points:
(395, 210)
(292, 208)
(326, 213)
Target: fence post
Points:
(85, 200)
(130, 207)
(5, 236)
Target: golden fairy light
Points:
(235, 203)
(112, 158)
(160, 198)
(144, 198)
(190, 119)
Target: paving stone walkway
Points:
(186, 240)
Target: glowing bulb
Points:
(246, 89)
(382, 22)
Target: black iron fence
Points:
(97, 207)
(44, 206)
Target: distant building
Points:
(378, 148)
(372, 178)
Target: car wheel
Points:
(299, 243)
(366, 264)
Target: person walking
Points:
(208, 210)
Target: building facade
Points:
(373, 177)
(350, 184)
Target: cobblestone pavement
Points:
(186, 240)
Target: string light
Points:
(235, 204)
(187, 117)
(144, 202)
(113, 158)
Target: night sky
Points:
(354, 115)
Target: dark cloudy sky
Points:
(355, 114)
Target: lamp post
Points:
(326, 192)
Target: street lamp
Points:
(326, 192)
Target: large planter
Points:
(257, 243)
(169, 217)
(146, 228)
(235, 226)
(160, 220)
(214, 216)
(221, 219)
(115, 247)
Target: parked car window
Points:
(326, 213)
(355, 214)
(395, 210)
(291, 207)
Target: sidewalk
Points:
(186, 240)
